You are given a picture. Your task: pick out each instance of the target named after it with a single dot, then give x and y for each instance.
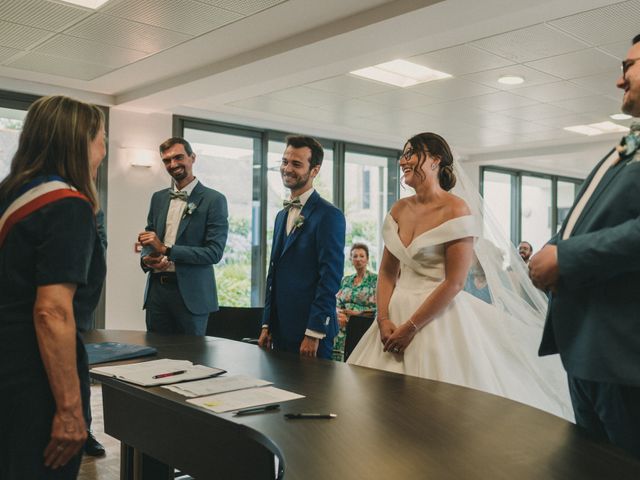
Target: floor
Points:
(107, 467)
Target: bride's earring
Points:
(433, 166)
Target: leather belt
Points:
(165, 278)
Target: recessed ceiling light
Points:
(511, 80)
(620, 116)
(597, 128)
(87, 3)
(400, 73)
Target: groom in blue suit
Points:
(307, 260)
(592, 268)
(185, 236)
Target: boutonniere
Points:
(299, 222)
(189, 209)
(630, 143)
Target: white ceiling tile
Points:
(41, 14)
(530, 75)
(460, 60)
(357, 108)
(613, 23)
(603, 83)
(266, 104)
(349, 86)
(536, 112)
(495, 102)
(63, 67)
(88, 51)
(20, 36)
(186, 16)
(452, 89)
(307, 96)
(617, 49)
(553, 92)
(244, 7)
(125, 33)
(531, 43)
(576, 64)
(400, 98)
(596, 103)
(572, 119)
(6, 53)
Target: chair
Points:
(236, 323)
(357, 325)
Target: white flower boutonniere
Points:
(298, 223)
(189, 209)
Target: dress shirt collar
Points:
(189, 188)
(305, 196)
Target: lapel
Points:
(279, 233)
(306, 212)
(602, 186)
(196, 198)
(161, 223)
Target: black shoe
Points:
(93, 447)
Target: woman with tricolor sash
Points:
(51, 273)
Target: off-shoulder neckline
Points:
(426, 231)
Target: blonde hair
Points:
(55, 141)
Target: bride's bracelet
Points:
(381, 319)
(415, 327)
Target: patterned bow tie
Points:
(292, 204)
(630, 143)
(179, 195)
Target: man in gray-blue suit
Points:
(307, 260)
(592, 269)
(185, 236)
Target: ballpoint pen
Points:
(169, 374)
(295, 416)
(249, 411)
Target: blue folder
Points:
(111, 351)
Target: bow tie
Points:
(288, 205)
(179, 195)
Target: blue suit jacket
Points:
(594, 318)
(305, 272)
(199, 245)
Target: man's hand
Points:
(150, 239)
(309, 346)
(156, 262)
(68, 434)
(543, 268)
(264, 340)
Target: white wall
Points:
(130, 190)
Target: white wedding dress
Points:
(470, 343)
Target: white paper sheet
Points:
(251, 397)
(211, 386)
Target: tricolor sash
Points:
(32, 197)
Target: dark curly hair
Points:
(436, 146)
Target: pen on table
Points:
(294, 416)
(249, 411)
(169, 374)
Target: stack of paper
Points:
(158, 372)
(251, 397)
(211, 386)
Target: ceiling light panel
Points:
(127, 34)
(93, 4)
(604, 25)
(599, 128)
(186, 16)
(39, 14)
(461, 60)
(400, 73)
(532, 43)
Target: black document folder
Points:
(112, 351)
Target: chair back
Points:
(357, 325)
(235, 323)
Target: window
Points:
(11, 121)
(529, 206)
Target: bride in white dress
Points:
(427, 326)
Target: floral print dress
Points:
(359, 298)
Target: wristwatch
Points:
(167, 251)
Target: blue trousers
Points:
(167, 313)
(608, 411)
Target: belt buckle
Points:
(164, 280)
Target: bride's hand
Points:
(400, 339)
(387, 328)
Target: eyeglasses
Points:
(407, 155)
(627, 64)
